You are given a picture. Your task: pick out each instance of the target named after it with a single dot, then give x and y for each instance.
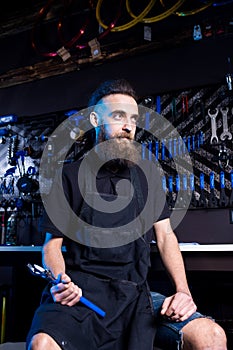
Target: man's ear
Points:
(94, 119)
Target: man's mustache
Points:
(122, 136)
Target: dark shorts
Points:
(169, 334)
(48, 317)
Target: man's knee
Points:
(204, 333)
(43, 341)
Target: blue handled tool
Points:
(46, 274)
(223, 201)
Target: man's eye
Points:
(117, 116)
(134, 120)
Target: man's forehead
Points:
(117, 102)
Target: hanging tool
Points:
(173, 109)
(179, 197)
(156, 150)
(202, 199)
(150, 150)
(143, 150)
(225, 134)
(179, 146)
(147, 120)
(185, 196)
(229, 75)
(170, 200)
(174, 148)
(164, 183)
(163, 150)
(170, 149)
(213, 116)
(193, 202)
(182, 199)
(3, 228)
(193, 143)
(223, 201)
(231, 196)
(37, 270)
(189, 144)
(223, 157)
(199, 105)
(185, 106)
(201, 138)
(4, 205)
(12, 150)
(158, 104)
(213, 201)
(184, 145)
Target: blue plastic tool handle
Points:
(92, 306)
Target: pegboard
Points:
(211, 155)
(22, 144)
(21, 147)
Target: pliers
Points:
(37, 270)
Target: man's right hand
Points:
(65, 291)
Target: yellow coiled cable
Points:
(128, 25)
(158, 17)
(190, 12)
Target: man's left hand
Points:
(178, 307)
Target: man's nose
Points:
(127, 126)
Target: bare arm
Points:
(179, 306)
(65, 292)
(52, 255)
(170, 253)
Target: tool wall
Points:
(203, 118)
(22, 142)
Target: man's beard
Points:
(120, 151)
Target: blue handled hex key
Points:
(43, 273)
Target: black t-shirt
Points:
(65, 195)
(66, 200)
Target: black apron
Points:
(115, 280)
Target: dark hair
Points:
(110, 87)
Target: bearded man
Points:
(106, 209)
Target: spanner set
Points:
(226, 134)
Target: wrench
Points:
(214, 137)
(225, 134)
